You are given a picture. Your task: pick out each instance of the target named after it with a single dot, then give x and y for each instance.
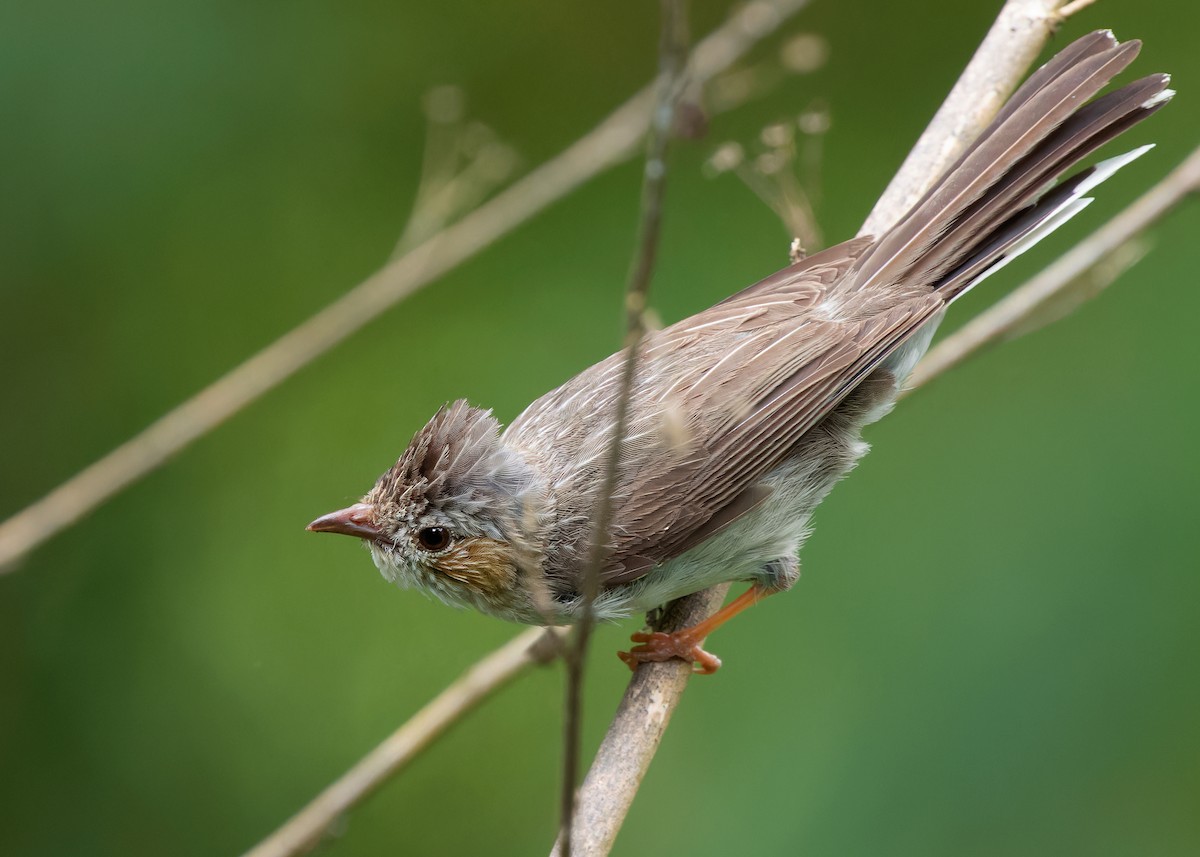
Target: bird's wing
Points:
(749, 411)
(721, 398)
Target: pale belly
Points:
(746, 549)
(776, 530)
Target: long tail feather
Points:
(993, 203)
(1028, 180)
(1030, 225)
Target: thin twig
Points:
(1006, 53)
(672, 57)
(1012, 316)
(1073, 7)
(612, 141)
(457, 173)
(306, 827)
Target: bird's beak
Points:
(352, 521)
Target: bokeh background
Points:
(994, 648)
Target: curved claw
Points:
(685, 643)
(658, 646)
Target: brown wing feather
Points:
(722, 398)
(667, 513)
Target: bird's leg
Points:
(685, 643)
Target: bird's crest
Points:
(456, 462)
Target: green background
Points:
(994, 648)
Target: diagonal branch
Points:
(1007, 51)
(304, 829)
(613, 141)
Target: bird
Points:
(742, 417)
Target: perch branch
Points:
(1007, 51)
(614, 140)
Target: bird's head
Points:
(456, 516)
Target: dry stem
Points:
(305, 828)
(672, 55)
(1006, 53)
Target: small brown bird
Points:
(744, 416)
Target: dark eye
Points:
(433, 538)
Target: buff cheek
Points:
(485, 565)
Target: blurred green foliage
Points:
(994, 647)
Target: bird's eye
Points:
(433, 538)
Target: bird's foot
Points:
(685, 643)
(659, 646)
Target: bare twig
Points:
(1071, 8)
(772, 177)
(612, 141)
(462, 165)
(1019, 312)
(672, 56)
(1007, 51)
(305, 828)
(634, 734)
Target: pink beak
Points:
(352, 521)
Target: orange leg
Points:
(685, 643)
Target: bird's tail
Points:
(998, 199)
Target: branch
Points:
(614, 140)
(672, 55)
(635, 732)
(304, 829)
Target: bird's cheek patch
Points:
(483, 564)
